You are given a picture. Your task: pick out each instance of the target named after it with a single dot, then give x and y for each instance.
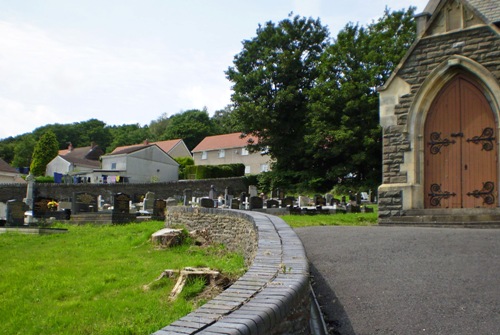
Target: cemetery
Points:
(43, 205)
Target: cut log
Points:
(168, 237)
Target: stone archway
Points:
(434, 85)
(460, 166)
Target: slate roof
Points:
(87, 156)
(164, 145)
(129, 149)
(225, 141)
(5, 167)
(488, 10)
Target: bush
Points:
(214, 171)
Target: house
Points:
(8, 174)
(175, 148)
(75, 161)
(440, 114)
(137, 164)
(231, 149)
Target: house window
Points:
(264, 167)
(244, 151)
(222, 153)
(204, 155)
(113, 166)
(247, 169)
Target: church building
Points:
(440, 114)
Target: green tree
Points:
(346, 138)
(225, 121)
(157, 127)
(271, 78)
(183, 163)
(23, 151)
(192, 126)
(127, 134)
(46, 149)
(7, 146)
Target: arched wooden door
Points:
(460, 149)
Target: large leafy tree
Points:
(271, 78)
(46, 149)
(23, 151)
(346, 138)
(192, 126)
(127, 135)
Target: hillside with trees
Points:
(310, 99)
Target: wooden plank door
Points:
(461, 151)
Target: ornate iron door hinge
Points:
(486, 193)
(436, 195)
(437, 143)
(486, 139)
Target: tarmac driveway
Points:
(406, 280)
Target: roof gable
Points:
(5, 167)
(226, 141)
(164, 145)
(88, 156)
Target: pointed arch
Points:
(426, 95)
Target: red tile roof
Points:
(164, 145)
(225, 141)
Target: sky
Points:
(134, 61)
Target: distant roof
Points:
(226, 141)
(164, 145)
(5, 167)
(88, 156)
(129, 149)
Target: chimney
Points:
(70, 147)
(92, 145)
(146, 142)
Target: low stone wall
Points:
(272, 297)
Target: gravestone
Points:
(170, 202)
(343, 200)
(159, 207)
(148, 202)
(256, 203)
(84, 202)
(15, 213)
(121, 209)
(319, 200)
(304, 201)
(252, 190)
(329, 198)
(40, 207)
(272, 203)
(188, 194)
(243, 199)
(235, 204)
(207, 203)
(212, 194)
(288, 202)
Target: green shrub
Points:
(214, 171)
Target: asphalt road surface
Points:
(406, 280)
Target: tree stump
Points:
(168, 237)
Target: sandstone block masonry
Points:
(272, 297)
(401, 167)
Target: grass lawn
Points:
(91, 280)
(350, 219)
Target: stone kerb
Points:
(272, 297)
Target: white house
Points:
(75, 161)
(138, 164)
(8, 174)
(231, 149)
(175, 148)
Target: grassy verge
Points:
(91, 280)
(350, 219)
